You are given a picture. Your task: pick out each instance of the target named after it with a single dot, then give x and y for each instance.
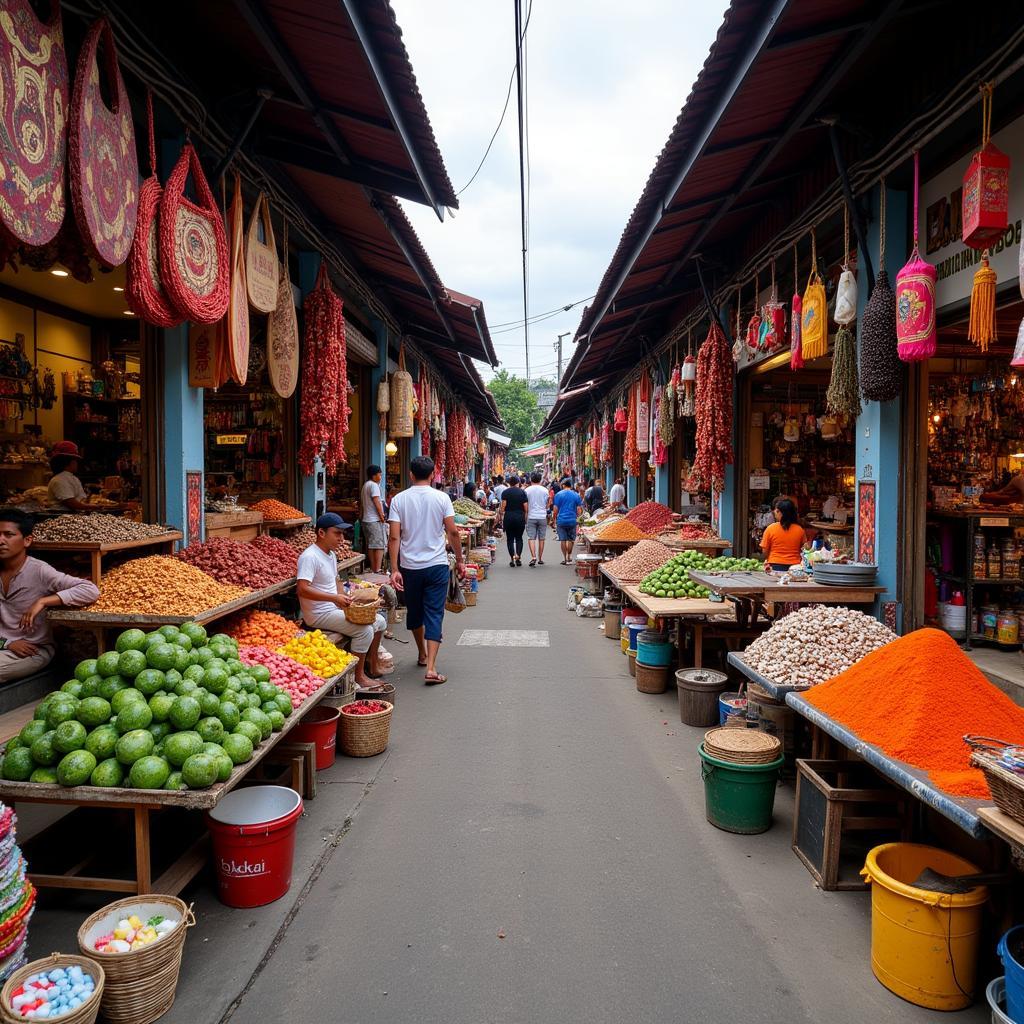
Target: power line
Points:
(537, 316)
(523, 205)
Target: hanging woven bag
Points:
(881, 371)
(238, 303)
(796, 355)
(402, 400)
(283, 333)
(144, 291)
(261, 271)
(915, 299)
(643, 414)
(33, 105)
(103, 168)
(194, 263)
(814, 312)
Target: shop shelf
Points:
(1005, 581)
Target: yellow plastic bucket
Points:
(924, 945)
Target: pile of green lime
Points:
(673, 578)
(170, 709)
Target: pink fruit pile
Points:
(296, 680)
(231, 561)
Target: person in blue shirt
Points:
(567, 504)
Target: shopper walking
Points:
(537, 519)
(421, 520)
(567, 508)
(514, 505)
(371, 514)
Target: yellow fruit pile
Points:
(317, 653)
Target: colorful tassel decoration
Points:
(982, 326)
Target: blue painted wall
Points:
(728, 527)
(314, 491)
(183, 426)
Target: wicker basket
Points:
(388, 694)
(84, 1014)
(363, 613)
(140, 984)
(1007, 787)
(365, 735)
(470, 598)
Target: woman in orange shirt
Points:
(783, 541)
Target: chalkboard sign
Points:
(810, 827)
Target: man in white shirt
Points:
(421, 521)
(371, 514)
(538, 499)
(323, 607)
(64, 487)
(617, 495)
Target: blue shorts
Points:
(566, 531)
(425, 593)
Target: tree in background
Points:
(517, 405)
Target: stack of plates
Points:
(742, 746)
(852, 574)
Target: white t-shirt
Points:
(537, 497)
(66, 485)
(496, 492)
(371, 490)
(422, 511)
(320, 570)
(617, 494)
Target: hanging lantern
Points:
(985, 204)
(915, 299)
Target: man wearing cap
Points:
(64, 487)
(323, 607)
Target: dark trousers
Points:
(514, 527)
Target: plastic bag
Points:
(455, 600)
(590, 608)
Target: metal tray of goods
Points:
(850, 574)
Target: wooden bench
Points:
(29, 691)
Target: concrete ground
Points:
(531, 848)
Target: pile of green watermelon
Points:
(673, 578)
(171, 709)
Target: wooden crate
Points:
(833, 799)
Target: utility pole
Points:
(558, 347)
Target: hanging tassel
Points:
(982, 327)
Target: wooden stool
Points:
(295, 765)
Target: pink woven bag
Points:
(915, 300)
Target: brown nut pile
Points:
(160, 585)
(300, 537)
(99, 527)
(640, 560)
(256, 565)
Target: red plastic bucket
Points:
(253, 834)
(319, 726)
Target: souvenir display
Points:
(796, 355)
(283, 333)
(238, 304)
(814, 312)
(643, 414)
(403, 400)
(261, 273)
(915, 299)
(985, 200)
(713, 409)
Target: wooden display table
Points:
(762, 588)
(280, 525)
(163, 543)
(712, 545)
(141, 804)
(353, 562)
(241, 526)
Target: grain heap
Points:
(639, 560)
(813, 644)
(99, 527)
(160, 585)
(916, 699)
(650, 516)
(621, 529)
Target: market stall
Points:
(765, 590)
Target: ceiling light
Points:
(59, 272)
(391, 448)
(118, 288)
(127, 312)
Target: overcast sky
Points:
(606, 82)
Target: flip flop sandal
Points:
(435, 680)
(421, 664)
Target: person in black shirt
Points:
(593, 497)
(513, 517)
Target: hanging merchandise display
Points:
(103, 168)
(846, 290)
(688, 374)
(606, 439)
(403, 400)
(881, 371)
(915, 298)
(620, 420)
(34, 104)
(773, 321)
(631, 454)
(737, 345)
(144, 290)
(383, 403)
(715, 376)
(985, 200)
(796, 355)
(261, 271)
(207, 355)
(659, 450)
(843, 393)
(814, 311)
(981, 328)
(667, 410)
(194, 262)
(643, 413)
(283, 332)
(238, 303)
(754, 323)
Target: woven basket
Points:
(1007, 787)
(388, 694)
(362, 613)
(140, 984)
(470, 598)
(84, 1014)
(365, 735)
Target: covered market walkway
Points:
(533, 847)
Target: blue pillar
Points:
(314, 489)
(416, 441)
(183, 432)
(661, 478)
(377, 437)
(630, 489)
(877, 436)
(609, 478)
(726, 501)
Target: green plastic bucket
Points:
(739, 797)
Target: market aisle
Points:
(535, 850)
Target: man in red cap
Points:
(65, 487)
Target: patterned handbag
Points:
(814, 312)
(194, 264)
(238, 302)
(102, 164)
(144, 291)
(915, 300)
(261, 272)
(283, 333)
(33, 107)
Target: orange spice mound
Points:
(623, 529)
(915, 699)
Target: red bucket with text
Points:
(253, 833)
(319, 726)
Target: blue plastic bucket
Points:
(1014, 974)
(634, 635)
(730, 704)
(653, 649)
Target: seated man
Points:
(27, 588)
(323, 606)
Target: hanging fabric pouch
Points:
(33, 104)
(643, 414)
(238, 303)
(194, 262)
(796, 355)
(144, 292)
(814, 325)
(283, 333)
(846, 298)
(261, 271)
(915, 299)
(102, 163)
